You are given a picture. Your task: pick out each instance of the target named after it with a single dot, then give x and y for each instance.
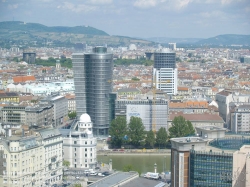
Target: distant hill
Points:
(226, 40)
(36, 27)
(34, 34)
(166, 40)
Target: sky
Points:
(137, 18)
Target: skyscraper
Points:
(93, 78)
(165, 71)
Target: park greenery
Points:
(72, 115)
(65, 62)
(134, 134)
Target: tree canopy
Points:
(181, 127)
(118, 130)
(72, 115)
(161, 137)
(136, 131)
(150, 139)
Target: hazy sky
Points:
(141, 18)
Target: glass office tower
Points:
(99, 71)
(93, 85)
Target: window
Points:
(75, 142)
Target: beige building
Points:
(241, 167)
(30, 161)
(23, 162)
(14, 114)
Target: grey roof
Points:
(113, 179)
(143, 182)
(46, 133)
(129, 90)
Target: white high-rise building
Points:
(172, 46)
(165, 71)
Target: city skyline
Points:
(159, 18)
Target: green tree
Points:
(150, 139)
(161, 137)
(66, 163)
(129, 167)
(136, 131)
(135, 79)
(180, 127)
(118, 130)
(72, 115)
(77, 185)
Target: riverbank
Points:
(134, 152)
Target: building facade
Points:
(165, 71)
(93, 82)
(40, 115)
(79, 144)
(240, 119)
(80, 81)
(14, 114)
(60, 105)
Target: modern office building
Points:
(79, 80)
(165, 71)
(29, 57)
(79, 144)
(180, 152)
(223, 162)
(93, 79)
(14, 114)
(172, 46)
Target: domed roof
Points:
(85, 118)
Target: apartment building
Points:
(240, 119)
(9, 97)
(34, 160)
(23, 162)
(39, 115)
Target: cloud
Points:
(101, 1)
(145, 3)
(76, 8)
(13, 6)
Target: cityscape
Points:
(95, 105)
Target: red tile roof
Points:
(18, 79)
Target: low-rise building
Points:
(9, 97)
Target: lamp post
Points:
(155, 166)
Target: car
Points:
(93, 173)
(77, 177)
(86, 172)
(97, 168)
(101, 175)
(106, 173)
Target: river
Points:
(142, 163)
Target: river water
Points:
(143, 163)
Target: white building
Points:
(79, 144)
(165, 71)
(240, 119)
(154, 116)
(60, 108)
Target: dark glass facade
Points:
(233, 143)
(99, 71)
(164, 60)
(208, 169)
